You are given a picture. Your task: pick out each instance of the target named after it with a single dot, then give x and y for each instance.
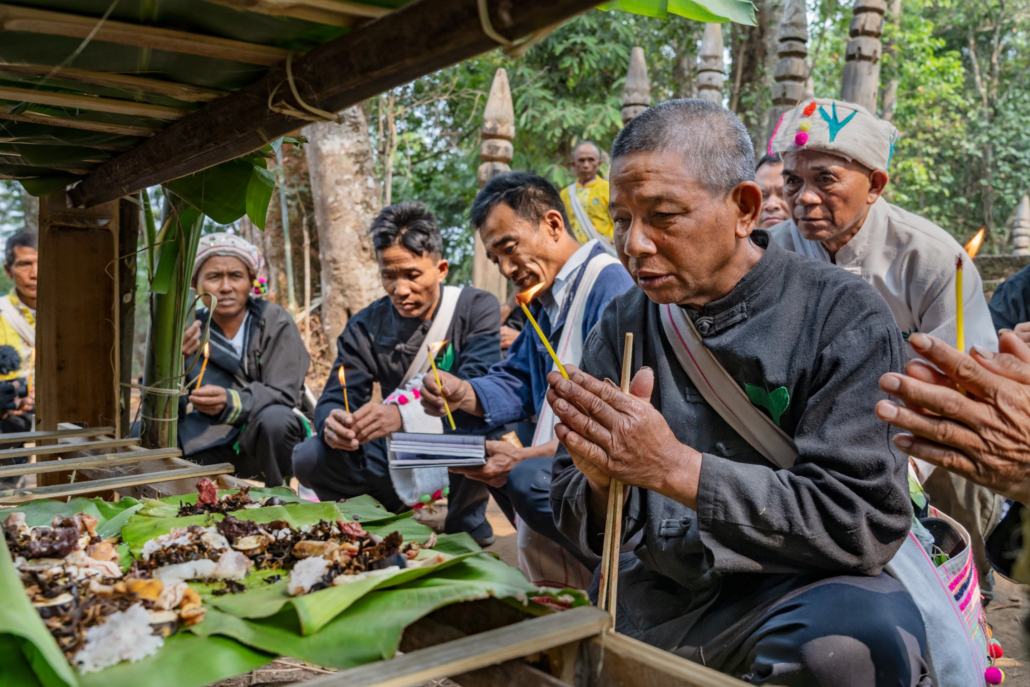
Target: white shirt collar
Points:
(552, 299)
(237, 341)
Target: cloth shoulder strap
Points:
(437, 332)
(14, 318)
(570, 346)
(584, 221)
(722, 392)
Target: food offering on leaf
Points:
(97, 615)
(192, 553)
(209, 502)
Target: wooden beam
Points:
(332, 12)
(76, 123)
(22, 437)
(28, 20)
(170, 89)
(473, 652)
(107, 460)
(341, 73)
(615, 660)
(9, 497)
(66, 448)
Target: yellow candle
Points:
(433, 348)
(524, 299)
(203, 367)
(343, 383)
(960, 328)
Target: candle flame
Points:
(207, 349)
(973, 247)
(435, 348)
(529, 294)
(343, 377)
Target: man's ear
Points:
(878, 180)
(747, 198)
(555, 224)
(7, 268)
(443, 267)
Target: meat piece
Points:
(15, 525)
(54, 543)
(171, 596)
(233, 529)
(208, 492)
(105, 568)
(147, 590)
(104, 551)
(351, 529)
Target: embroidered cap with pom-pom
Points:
(801, 138)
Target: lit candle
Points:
(960, 327)
(200, 377)
(343, 383)
(524, 299)
(433, 350)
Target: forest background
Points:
(955, 80)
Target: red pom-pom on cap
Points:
(438, 494)
(995, 650)
(809, 109)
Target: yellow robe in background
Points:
(594, 199)
(10, 337)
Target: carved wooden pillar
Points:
(710, 65)
(636, 96)
(496, 153)
(861, 80)
(1021, 228)
(791, 71)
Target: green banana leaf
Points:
(313, 611)
(111, 517)
(370, 630)
(710, 11)
(168, 507)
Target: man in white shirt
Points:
(836, 156)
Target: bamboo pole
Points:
(287, 250)
(91, 102)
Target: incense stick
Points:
(540, 333)
(960, 327)
(609, 595)
(436, 373)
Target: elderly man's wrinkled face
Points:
(229, 280)
(527, 253)
(769, 178)
(588, 161)
(680, 243)
(828, 196)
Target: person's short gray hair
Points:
(715, 145)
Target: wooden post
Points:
(496, 153)
(129, 220)
(78, 318)
(1021, 228)
(791, 69)
(861, 80)
(710, 65)
(636, 96)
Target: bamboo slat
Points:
(66, 448)
(10, 497)
(107, 460)
(93, 103)
(76, 123)
(22, 437)
(180, 91)
(331, 12)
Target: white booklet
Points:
(406, 450)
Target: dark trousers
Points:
(266, 447)
(13, 424)
(336, 474)
(528, 493)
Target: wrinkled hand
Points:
(337, 432)
(457, 392)
(209, 399)
(191, 339)
(374, 421)
(615, 435)
(1023, 331)
(501, 457)
(508, 336)
(985, 439)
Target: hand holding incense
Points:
(343, 383)
(433, 350)
(203, 367)
(524, 300)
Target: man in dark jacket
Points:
(387, 343)
(249, 377)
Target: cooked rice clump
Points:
(125, 636)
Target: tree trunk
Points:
(754, 56)
(890, 93)
(30, 206)
(346, 199)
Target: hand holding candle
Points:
(524, 300)
(203, 367)
(433, 350)
(343, 383)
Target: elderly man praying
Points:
(243, 408)
(836, 155)
(763, 498)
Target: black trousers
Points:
(336, 474)
(528, 493)
(13, 424)
(266, 447)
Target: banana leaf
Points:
(168, 507)
(711, 11)
(371, 629)
(312, 612)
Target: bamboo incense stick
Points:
(343, 383)
(524, 299)
(960, 325)
(608, 599)
(436, 373)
